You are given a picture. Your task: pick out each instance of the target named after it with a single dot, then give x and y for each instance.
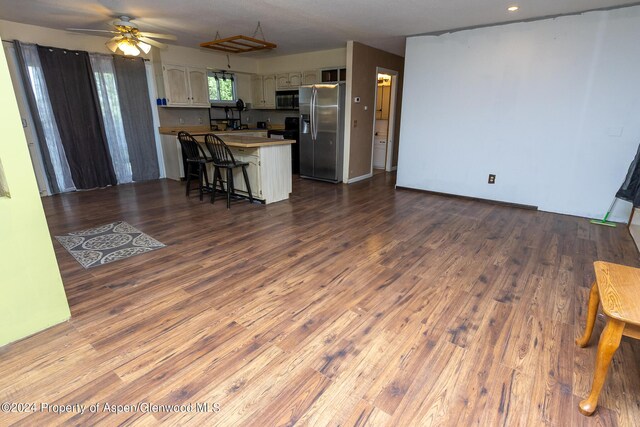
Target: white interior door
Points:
(384, 122)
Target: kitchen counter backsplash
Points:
(190, 116)
(200, 116)
(275, 116)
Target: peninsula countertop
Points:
(193, 129)
(236, 140)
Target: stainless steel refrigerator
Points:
(322, 131)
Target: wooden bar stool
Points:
(617, 287)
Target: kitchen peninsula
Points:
(269, 160)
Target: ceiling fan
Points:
(129, 39)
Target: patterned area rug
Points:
(107, 243)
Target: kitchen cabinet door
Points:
(269, 89)
(288, 80)
(176, 85)
(295, 79)
(282, 81)
(310, 77)
(257, 92)
(199, 87)
(253, 171)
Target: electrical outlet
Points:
(492, 179)
(355, 123)
(181, 120)
(199, 120)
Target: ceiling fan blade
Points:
(93, 31)
(152, 42)
(158, 36)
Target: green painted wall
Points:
(32, 297)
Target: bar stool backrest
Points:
(192, 150)
(219, 150)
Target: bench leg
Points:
(594, 300)
(609, 342)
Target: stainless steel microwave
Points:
(287, 100)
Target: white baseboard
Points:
(393, 168)
(359, 178)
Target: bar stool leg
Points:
(609, 342)
(216, 178)
(206, 176)
(246, 181)
(229, 177)
(221, 180)
(188, 177)
(594, 300)
(200, 179)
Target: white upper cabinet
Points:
(176, 86)
(295, 79)
(263, 91)
(257, 92)
(289, 80)
(199, 87)
(269, 88)
(185, 86)
(283, 80)
(310, 77)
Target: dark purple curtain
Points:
(137, 120)
(76, 107)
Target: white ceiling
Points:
(296, 26)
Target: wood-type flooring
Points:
(345, 305)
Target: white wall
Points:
(303, 61)
(551, 107)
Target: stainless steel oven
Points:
(287, 100)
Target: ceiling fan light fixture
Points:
(112, 45)
(128, 47)
(144, 47)
(128, 38)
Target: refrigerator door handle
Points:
(312, 119)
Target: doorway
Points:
(384, 121)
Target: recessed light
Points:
(513, 8)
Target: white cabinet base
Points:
(276, 178)
(269, 169)
(269, 172)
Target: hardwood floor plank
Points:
(346, 305)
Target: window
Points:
(222, 87)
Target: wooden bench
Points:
(617, 287)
